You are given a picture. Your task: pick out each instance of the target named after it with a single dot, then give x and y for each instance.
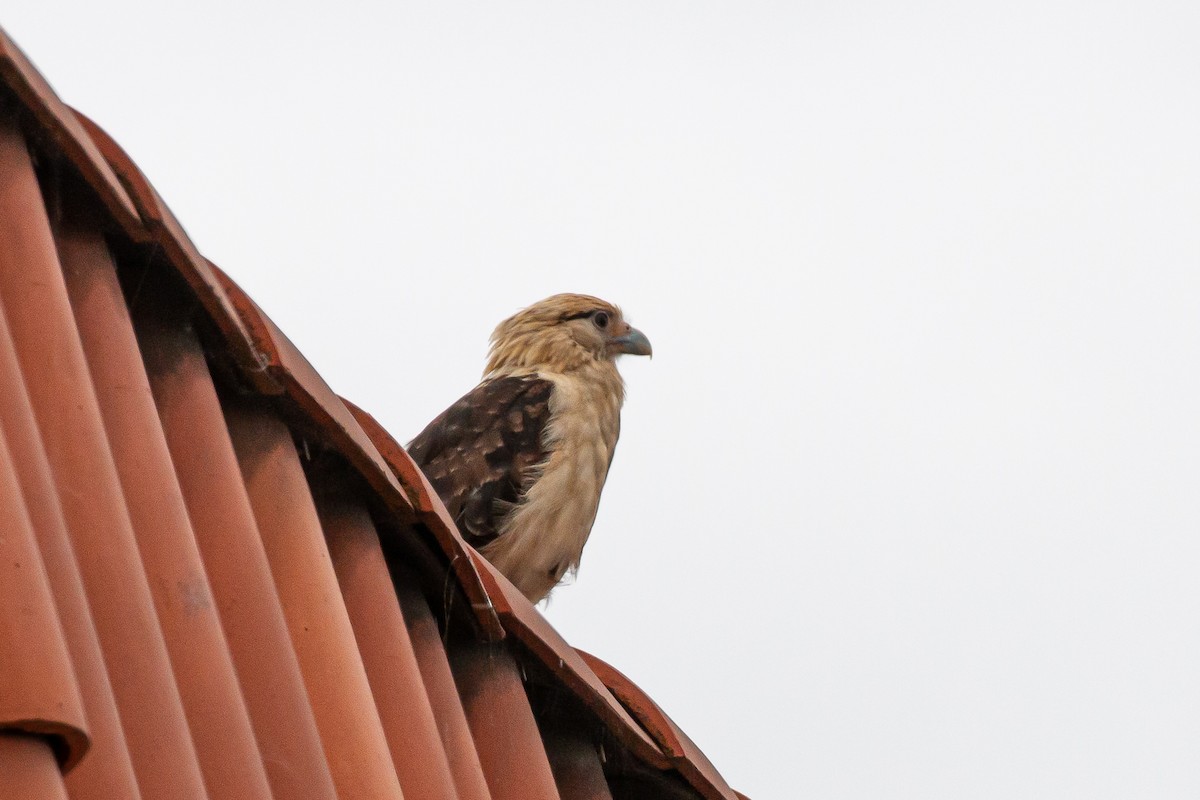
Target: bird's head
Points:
(563, 333)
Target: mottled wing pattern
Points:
(479, 452)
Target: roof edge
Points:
(528, 626)
(433, 514)
(681, 750)
(69, 743)
(57, 119)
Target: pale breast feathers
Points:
(482, 453)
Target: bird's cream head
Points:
(564, 333)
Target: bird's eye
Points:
(601, 319)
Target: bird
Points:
(520, 460)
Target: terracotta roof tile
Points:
(109, 772)
(59, 123)
(135, 205)
(527, 624)
(37, 687)
(444, 700)
(338, 691)
(161, 227)
(28, 768)
(64, 401)
(575, 762)
(236, 562)
(204, 672)
(502, 724)
(432, 512)
(218, 609)
(692, 763)
(313, 396)
(387, 652)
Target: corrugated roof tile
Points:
(687, 758)
(337, 685)
(60, 124)
(108, 774)
(433, 514)
(527, 624)
(37, 686)
(440, 687)
(204, 672)
(387, 652)
(502, 724)
(575, 762)
(311, 394)
(162, 227)
(28, 769)
(234, 557)
(234, 617)
(59, 386)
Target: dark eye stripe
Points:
(579, 315)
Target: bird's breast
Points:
(544, 536)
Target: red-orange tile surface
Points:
(204, 671)
(527, 624)
(218, 579)
(108, 773)
(333, 672)
(645, 710)
(386, 650)
(56, 377)
(692, 763)
(447, 707)
(160, 225)
(37, 688)
(28, 770)
(502, 724)
(59, 123)
(433, 514)
(238, 572)
(575, 762)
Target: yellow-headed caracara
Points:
(521, 459)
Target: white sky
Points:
(906, 504)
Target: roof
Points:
(219, 579)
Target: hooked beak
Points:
(633, 342)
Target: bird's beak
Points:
(633, 342)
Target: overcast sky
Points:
(906, 504)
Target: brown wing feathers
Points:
(478, 453)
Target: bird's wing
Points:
(480, 453)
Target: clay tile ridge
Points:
(66, 131)
(161, 226)
(394, 478)
(528, 626)
(134, 204)
(432, 513)
(682, 751)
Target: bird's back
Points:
(478, 454)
